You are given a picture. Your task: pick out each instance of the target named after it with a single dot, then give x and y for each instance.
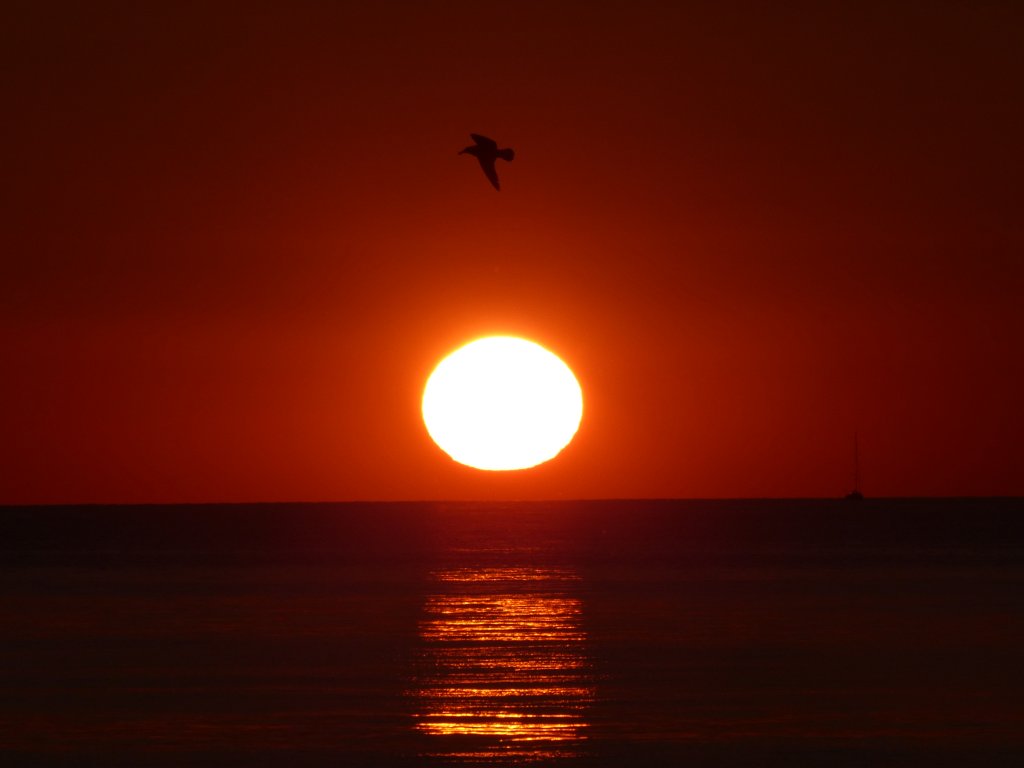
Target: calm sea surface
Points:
(731, 633)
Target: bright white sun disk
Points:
(502, 403)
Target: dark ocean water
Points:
(726, 633)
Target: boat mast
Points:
(856, 463)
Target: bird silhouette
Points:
(486, 151)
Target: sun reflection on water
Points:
(504, 672)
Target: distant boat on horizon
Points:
(855, 494)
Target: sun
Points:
(502, 403)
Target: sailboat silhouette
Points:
(855, 494)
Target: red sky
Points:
(237, 237)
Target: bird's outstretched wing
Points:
(490, 172)
(483, 141)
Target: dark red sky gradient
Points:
(237, 237)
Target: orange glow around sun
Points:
(502, 403)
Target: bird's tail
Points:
(506, 154)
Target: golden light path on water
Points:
(505, 675)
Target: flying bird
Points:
(486, 151)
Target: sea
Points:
(571, 633)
